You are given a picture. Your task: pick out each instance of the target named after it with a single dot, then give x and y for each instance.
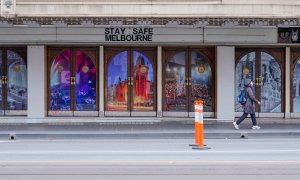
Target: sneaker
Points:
(255, 127)
(236, 126)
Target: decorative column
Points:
(101, 81)
(225, 82)
(36, 72)
(287, 114)
(159, 81)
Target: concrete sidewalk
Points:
(270, 128)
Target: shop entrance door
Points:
(13, 82)
(265, 68)
(295, 83)
(72, 82)
(130, 82)
(188, 76)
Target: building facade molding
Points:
(156, 8)
(193, 21)
(159, 35)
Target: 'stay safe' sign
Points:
(128, 34)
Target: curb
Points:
(159, 135)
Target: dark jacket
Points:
(249, 107)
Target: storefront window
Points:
(266, 78)
(143, 86)
(175, 79)
(201, 81)
(16, 82)
(1, 89)
(244, 69)
(117, 83)
(85, 82)
(296, 87)
(130, 80)
(60, 89)
(270, 84)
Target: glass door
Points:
(1, 84)
(130, 82)
(13, 86)
(117, 83)
(175, 83)
(201, 82)
(188, 76)
(264, 67)
(295, 83)
(270, 83)
(246, 68)
(72, 81)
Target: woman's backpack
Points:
(242, 97)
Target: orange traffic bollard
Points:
(199, 130)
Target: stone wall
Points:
(158, 8)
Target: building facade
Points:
(147, 58)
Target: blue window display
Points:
(60, 89)
(83, 78)
(117, 83)
(85, 82)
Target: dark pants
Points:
(243, 117)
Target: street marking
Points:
(188, 151)
(173, 162)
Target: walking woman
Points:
(249, 107)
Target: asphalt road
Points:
(149, 159)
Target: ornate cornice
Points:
(154, 21)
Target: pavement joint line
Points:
(129, 132)
(163, 162)
(190, 120)
(186, 140)
(100, 123)
(186, 151)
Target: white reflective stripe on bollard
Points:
(199, 118)
(199, 113)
